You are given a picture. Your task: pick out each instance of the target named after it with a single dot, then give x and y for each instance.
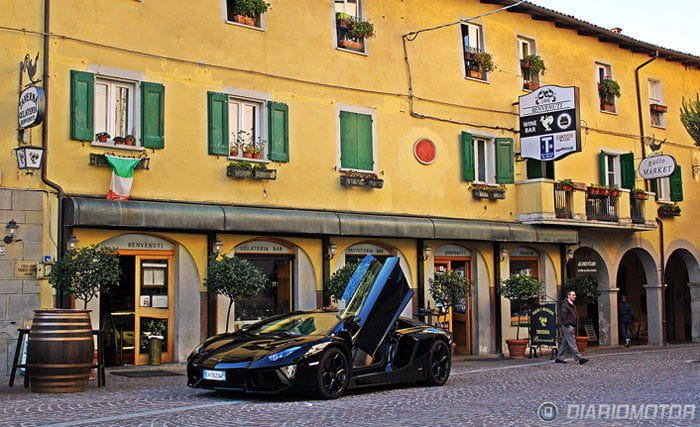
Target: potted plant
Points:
(609, 89)
(361, 29)
(118, 140)
(343, 20)
(487, 191)
(102, 136)
(336, 284)
(130, 140)
(586, 288)
(562, 212)
(239, 169)
(482, 62)
(638, 193)
(247, 11)
(658, 108)
(533, 64)
(65, 365)
(614, 191)
(235, 278)
(667, 211)
(566, 185)
(449, 289)
(520, 289)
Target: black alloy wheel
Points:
(333, 374)
(439, 363)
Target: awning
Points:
(198, 217)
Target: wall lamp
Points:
(331, 250)
(72, 242)
(217, 247)
(11, 232)
(504, 254)
(427, 252)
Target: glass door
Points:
(154, 307)
(461, 315)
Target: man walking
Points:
(626, 317)
(568, 320)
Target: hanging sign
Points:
(549, 124)
(543, 325)
(657, 167)
(32, 104)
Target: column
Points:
(695, 311)
(608, 325)
(655, 313)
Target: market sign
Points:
(657, 167)
(543, 325)
(32, 104)
(549, 124)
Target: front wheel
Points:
(333, 374)
(439, 363)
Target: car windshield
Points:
(296, 324)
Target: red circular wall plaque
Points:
(425, 151)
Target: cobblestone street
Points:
(490, 392)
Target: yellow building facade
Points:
(399, 144)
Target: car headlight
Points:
(289, 371)
(282, 354)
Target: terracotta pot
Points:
(350, 44)
(256, 155)
(516, 348)
(129, 141)
(247, 154)
(607, 107)
(234, 152)
(102, 138)
(531, 86)
(475, 74)
(640, 196)
(581, 344)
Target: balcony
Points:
(545, 201)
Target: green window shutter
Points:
(504, 161)
(278, 131)
(676, 185)
(627, 170)
(467, 156)
(655, 187)
(603, 171)
(356, 141)
(82, 102)
(217, 108)
(152, 114)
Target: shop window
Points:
(656, 104)
(356, 140)
(525, 261)
(118, 107)
(487, 160)
(247, 128)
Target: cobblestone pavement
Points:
(485, 392)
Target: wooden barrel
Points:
(59, 355)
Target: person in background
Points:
(568, 319)
(626, 315)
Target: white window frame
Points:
(224, 12)
(359, 14)
(118, 75)
(260, 99)
(478, 31)
(338, 149)
(663, 189)
(531, 50)
(603, 70)
(613, 155)
(656, 96)
(112, 86)
(358, 7)
(489, 145)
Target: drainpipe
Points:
(663, 281)
(639, 108)
(212, 309)
(420, 271)
(60, 233)
(497, 284)
(326, 272)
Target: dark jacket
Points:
(567, 314)
(625, 312)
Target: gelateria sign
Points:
(32, 105)
(657, 167)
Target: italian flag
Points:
(122, 176)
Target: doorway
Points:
(279, 298)
(140, 307)
(678, 302)
(461, 313)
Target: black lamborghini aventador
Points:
(324, 352)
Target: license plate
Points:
(214, 375)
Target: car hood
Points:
(243, 349)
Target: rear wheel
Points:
(333, 374)
(439, 363)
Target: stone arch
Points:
(682, 300)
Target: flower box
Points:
(667, 211)
(614, 193)
(658, 108)
(488, 193)
(475, 74)
(639, 195)
(564, 187)
(350, 44)
(530, 86)
(244, 20)
(265, 173)
(237, 172)
(607, 107)
(361, 181)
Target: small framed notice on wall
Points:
(145, 300)
(159, 301)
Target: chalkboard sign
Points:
(543, 325)
(590, 330)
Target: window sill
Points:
(612, 113)
(100, 161)
(248, 159)
(658, 127)
(251, 27)
(117, 146)
(476, 80)
(356, 52)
